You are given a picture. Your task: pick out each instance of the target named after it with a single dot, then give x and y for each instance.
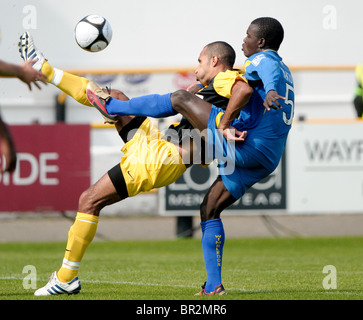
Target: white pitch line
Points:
(124, 283)
(107, 282)
(242, 290)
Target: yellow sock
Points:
(48, 70)
(80, 235)
(71, 84)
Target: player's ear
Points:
(214, 60)
(261, 43)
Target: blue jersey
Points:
(267, 130)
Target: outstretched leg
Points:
(73, 85)
(190, 106)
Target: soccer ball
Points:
(93, 33)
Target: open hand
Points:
(30, 75)
(271, 100)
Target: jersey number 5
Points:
(288, 121)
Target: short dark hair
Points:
(223, 51)
(271, 30)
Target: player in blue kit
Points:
(266, 117)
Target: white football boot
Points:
(55, 287)
(29, 52)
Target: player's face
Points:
(251, 43)
(203, 70)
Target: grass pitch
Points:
(253, 269)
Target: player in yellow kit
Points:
(151, 160)
(358, 94)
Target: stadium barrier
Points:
(309, 68)
(53, 168)
(320, 172)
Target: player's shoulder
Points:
(262, 57)
(229, 75)
(224, 81)
(256, 59)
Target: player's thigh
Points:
(191, 107)
(98, 195)
(118, 94)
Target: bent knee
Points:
(90, 202)
(208, 213)
(86, 201)
(117, 94)
(180, 99)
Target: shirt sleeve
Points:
(265, 69)
(224, 82)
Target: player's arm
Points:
(24, 72)
(240, 95)
(269, 74)
(195, 87)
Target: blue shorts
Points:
(238, 168)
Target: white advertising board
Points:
(323, 174)
(325, 168)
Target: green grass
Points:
(253, 269)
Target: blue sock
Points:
(153, 105)
(212, 245)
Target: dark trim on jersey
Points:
(211, 96)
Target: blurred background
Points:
(316, 190)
